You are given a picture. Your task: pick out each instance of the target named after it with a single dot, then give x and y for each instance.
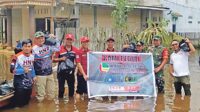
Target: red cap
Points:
(69, 36)
(84, 39)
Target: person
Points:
(82, 77)
(110, 48)
(140, 47)
(67, 59)
(160, 57)
(110, 45)
(179, 67)
(24, 74)
(43, 67)
(136, 48)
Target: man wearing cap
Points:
(67, 59)
(82, 76)
(160, 56)
(110, 45)
(110, 48)
(136, 48)
(140, 47)
(43, 66)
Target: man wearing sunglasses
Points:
(179, 67)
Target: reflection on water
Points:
(168, 102)
(139, 105)
(181, 103)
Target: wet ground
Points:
(168, 102)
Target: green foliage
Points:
(157, 29)
(120, 14)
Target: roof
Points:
(26, 2)
(86, 2)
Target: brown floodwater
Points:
(168, 102)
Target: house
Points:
(184, 17)
(21, 18)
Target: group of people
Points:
(33, 65)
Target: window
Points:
(154, 19)
(190, 22)
(190, 17)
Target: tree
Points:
(120, 13)
(120, 17)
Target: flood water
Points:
(168, 102)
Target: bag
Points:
(132, 48)
(184, 46)
(67, 65)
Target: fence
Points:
(98, 36)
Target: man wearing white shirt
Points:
(179, 67)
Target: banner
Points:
(120, 74)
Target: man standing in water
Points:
(67, 58)
(110, 48)
(43, 67)
(179, 67)
(160, 56)
(24, 74)
(82, 77)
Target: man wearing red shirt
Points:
(110, 48)
(82, 77)
(67, 59)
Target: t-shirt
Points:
(71, 57)
(83, 58)
(43, 61)
(179, 61)
(22, 79)
(107, 50)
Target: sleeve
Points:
(56, 54)
(78, 56)
(56, 48)
(165, 53)
(171, 60)
(33, 73)
(13, 63)
(19, 71)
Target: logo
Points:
(131, 79)
(104, 67)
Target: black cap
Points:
(110, 39)
(140, 43)
(26, 41)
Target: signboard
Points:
(120, 74)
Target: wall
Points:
(86, 16)
(189, 10)
(16, 25)
(104, 18)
